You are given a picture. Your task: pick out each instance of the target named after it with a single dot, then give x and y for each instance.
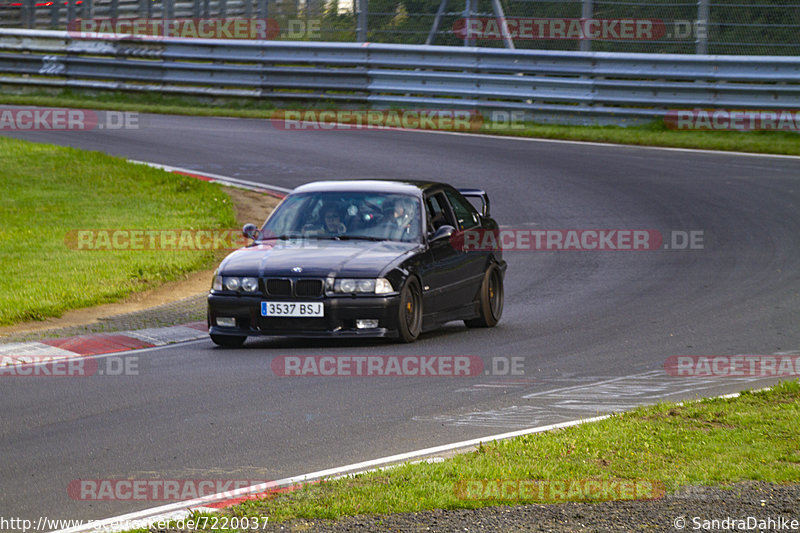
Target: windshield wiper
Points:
(278, 237)
(323, 237)
(358, 238)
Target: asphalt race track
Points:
(594, 328)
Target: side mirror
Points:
(250, 231)
(444, 232)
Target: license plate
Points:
(293, 309)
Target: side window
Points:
(466, 215)
(436, 209)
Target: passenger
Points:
(403, 222)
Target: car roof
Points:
(411, 187)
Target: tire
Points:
(228, 341)
(491, 300)
(409, 314)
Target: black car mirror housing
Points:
(443, 232)
(250, 231)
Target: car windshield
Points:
(346, 215)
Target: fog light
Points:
(366, 324)
(226, 321)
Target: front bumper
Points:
(340, 315)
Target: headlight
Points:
(365, 285)
(235, 283)
(250, 284)
(382, 286)
(232, 283)
(345, 285)
(362, 286)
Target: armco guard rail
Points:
(591, 85)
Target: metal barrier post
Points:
(586, 13)
(702, 27)
(70, 11)
(361, 28)
(54, 14)
(27, 15)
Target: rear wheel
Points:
(409, 320)
(491, 300)
(227, 341)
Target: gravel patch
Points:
(688, 507)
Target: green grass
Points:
(657, 134)
(654, 134)
(710, 442)
(145, 102)
(46, 191)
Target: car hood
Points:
(316, 258)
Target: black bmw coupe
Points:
(362, 258)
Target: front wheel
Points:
(227, 341)
(409, 320)
(491, 300)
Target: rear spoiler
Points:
(479, 194)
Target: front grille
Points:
(279, 287)
(308, 287)
(303, 288)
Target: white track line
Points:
(610, 145)
(225, 179)
(169, 511)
